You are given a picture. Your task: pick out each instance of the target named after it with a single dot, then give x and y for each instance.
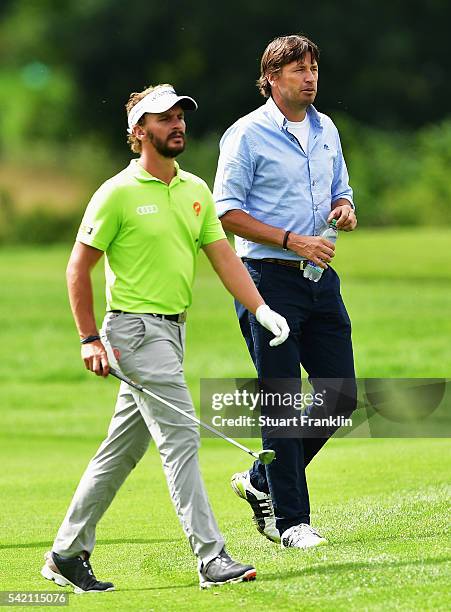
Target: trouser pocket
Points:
(125, 332)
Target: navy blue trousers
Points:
(320, 341)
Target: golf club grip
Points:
(125, 379)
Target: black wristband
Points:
(89, 339)
(285, 240)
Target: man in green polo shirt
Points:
(150, 220)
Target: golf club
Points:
(265, 456)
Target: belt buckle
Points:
(181, 317)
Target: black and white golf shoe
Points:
(302, 536)
(261, 504)
(74, 571)
(224, 570)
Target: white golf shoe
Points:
(301, 536)
(261, 504)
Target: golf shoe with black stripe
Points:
(224, 570)
(74, 571)
(261, 504)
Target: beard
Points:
(165, 147)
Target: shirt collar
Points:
(275, 112)
(139, 173)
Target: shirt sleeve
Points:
(340, 183)
(211, 228)
(235, 172)
(101, 220)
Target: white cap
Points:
(159, 100)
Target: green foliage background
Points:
(67, 68)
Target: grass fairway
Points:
(383, 504)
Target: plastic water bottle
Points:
(312, 271)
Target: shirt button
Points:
(313, 183)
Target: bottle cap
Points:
(333, 223)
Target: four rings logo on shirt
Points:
(148, 209)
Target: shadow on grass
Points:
(166, 587)
(48, 544)
(335, 568)
(329, 568)
(364, 539)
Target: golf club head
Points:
(267, 456)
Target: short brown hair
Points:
(281, 51)
(135, 97)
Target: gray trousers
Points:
(150, 351)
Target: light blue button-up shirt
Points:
(263, 171)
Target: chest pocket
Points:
(322, 163)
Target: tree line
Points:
(72, 63)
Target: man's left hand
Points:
(345, 216)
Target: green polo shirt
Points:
(151, 233)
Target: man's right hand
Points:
(314, 248)
(95, 358)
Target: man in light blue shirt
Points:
(281, 179)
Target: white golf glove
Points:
(274, 322)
